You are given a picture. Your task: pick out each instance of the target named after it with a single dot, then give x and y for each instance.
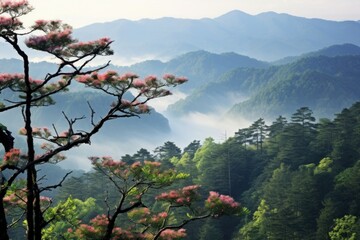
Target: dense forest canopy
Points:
(298, 177)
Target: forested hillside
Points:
(326, 84)
(201, 67)
(299, 178)
(346, 49)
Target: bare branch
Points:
(49, 188)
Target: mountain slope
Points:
(346, 49)
(325, 84)
(201, 67)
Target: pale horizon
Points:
(80, 13)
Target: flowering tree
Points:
(145, 219)
(55, 38)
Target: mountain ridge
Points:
(266, 36)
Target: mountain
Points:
(218, 96)
(249, 87)
(346, 49)
(325, 84)
(201, 67)
(266, 36)
(37, 70)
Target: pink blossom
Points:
(36, 82)
(125, 103)
(151, 80)
(170, 234)
(137, 83)
(83, 78)
(45, 199)
(64, 134)
(100, 220)
(22, 131)
(10, 4)
(221, 204)
(7, 77)
(12, 157)
(181, 80)
(168, 76)
(128, 75)
(136, 165)
(152, 163)
(51, 42)
(7, 22)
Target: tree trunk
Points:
(3, 222)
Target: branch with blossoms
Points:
(132, 182)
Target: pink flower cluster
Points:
(159, 218)
(97, 230)
(182, 196)
(219, 204)
(46, 25)
(8, 77)
(128, 76)
(45, 199)
(11, 4)
(12, 157)
(171, 79)
(18, 198)
(41, 132)
(152, 163)
(145, 217)
(17, 83)
(52, 42)
(81, 48)
(119, 168)
(170, 234)
(140, 215)
(15, 199)
(100, 220)
(9, 23)
(96, 79)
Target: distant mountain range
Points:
(267, 36)
(326, 81)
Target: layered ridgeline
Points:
(325, 84)
(267, 36)
(346, 49)
(325, 80)
(201, 67)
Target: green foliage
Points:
(324, 166)
(67, 214)
(310, 81)
(345, 228)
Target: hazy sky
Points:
(83, 12)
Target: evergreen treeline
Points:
(299, 178)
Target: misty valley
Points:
(237, 127)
